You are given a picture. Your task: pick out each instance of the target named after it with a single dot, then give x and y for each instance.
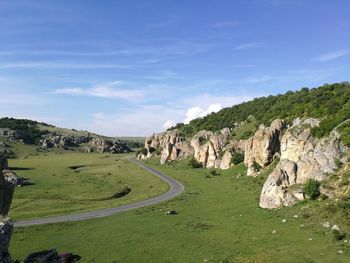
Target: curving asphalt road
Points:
(175, 189)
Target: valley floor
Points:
(72, 182)
(218, 220)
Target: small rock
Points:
(284, 220)
(310, 239)
(335, 228)
(302, 225)
(295, 216)
(346, 241)
(171, 212)
(340, 251)
(326, 224)
(274, 232)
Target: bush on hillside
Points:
(312, 189)
(237, 158)
(194, 163)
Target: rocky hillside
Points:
(46, 136)
(305, 148)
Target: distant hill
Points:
(46, 136)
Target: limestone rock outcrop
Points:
(302, 157)
(103, 145)
(260, 149)
(11, 177)
(6, 227)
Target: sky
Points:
(132, 68)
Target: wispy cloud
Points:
(225, 24)
(60, 53)
(332, 55)
(139, 121)
(62, 65)
(112, 90)
(248, 46)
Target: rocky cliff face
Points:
(302, 157)
(260, 149)
(6, 193)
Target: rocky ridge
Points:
(301, 156)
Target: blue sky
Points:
(135, 67)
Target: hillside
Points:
(330, 103)
(298, 143)
(40, 136)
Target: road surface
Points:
(175, 189)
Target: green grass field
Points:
(73, 181)
(218, 220)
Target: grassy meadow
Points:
(73, 181)
(218, 220)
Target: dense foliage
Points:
(194, 163)
(312, 189)
(26, 129)
(237, 158)
(331, 102)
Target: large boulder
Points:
(260, 149)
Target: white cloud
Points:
(248, 46)
(198, 112)
(331, 55)
(110, 90)
(141, 121)
(168, 124)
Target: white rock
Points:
(326, 224)
(335, 228)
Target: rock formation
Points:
(6, 227)
(109, 146)
(260, 149)
(302, 157)
(98, 144)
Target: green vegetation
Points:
(237, 158)
(218, 220)
(27, 129)
(194, 163)
(330, 102)
(256, 167)
(72, 182)
(312, 189)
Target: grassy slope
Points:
(219, 221)
(59, 189)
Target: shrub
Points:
(312, 189)
(338, 163)
(194, 163)
(213, 172)
(143, 151)
(338, 235)
(152, 149)
(256, 167)
(237, 158)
